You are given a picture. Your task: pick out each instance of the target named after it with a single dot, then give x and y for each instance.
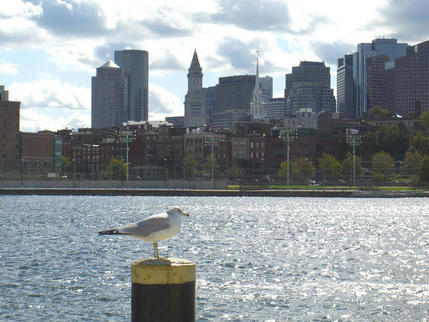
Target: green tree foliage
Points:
(347, 166)
(65, 164)
(369, 145)
(283, 169)
(424, 120)
(207, 167)
(382, 163)
(421, 142)
(411, 165)
(424, 170)
(190, 165)
(303, 170)
(378, 111)
(329, 167)
(394, 139)
(116, 170)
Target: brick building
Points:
(9, 137)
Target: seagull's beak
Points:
(185, 214)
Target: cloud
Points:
(50, 104)
(330, 52)
(17, 8)
(71, 17)
(408, 20)
(167, 62)
(19, 32)
(107, 51)
(242, 55)
(260, 15)
(34, 120)
(49, 92)
(238, 53)
(162, 28)
(8, 68)
(163, 103)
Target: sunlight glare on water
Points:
(267, 258)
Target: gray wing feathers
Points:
(146, 227)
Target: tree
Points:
(369, 145)
(303, 170)
(424, 170)
(394, 139)
(378, 111)
(207, 167)
(382, 164)
(411, 165)
(65, 164)
(424, 120)
(329, 166)
(190, 165)
(421, 142)
(347, 166)
(116, 170)
(283, 170)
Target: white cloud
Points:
(37, 119)
(49, 92)
(8, 68)
(19, 8)
(76, 36)
(163, 103)
(50, 104)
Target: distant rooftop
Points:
(110, 64)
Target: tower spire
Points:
(257, 90)
(195, 64)
(256, 105)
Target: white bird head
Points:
(176, 211)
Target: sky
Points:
(50, 49)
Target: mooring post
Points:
(163, 290)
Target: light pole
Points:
(354, 139)
(285, 136)
(125, 137)
(212, 160)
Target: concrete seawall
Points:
(211, 192)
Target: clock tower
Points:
(195, 99)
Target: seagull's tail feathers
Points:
(110, 232)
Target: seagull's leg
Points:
(155, 249)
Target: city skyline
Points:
(51, 49)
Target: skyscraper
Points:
(309, 86)
(407, 81)
(135, 63)
(345, 87)
(362, 62)
(109, 96)
(195, 99)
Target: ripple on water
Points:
(257, 258)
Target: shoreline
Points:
(211, 192)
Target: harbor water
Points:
(258, 258)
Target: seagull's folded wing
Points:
(146, 227)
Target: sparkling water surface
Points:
(261, 259)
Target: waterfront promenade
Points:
(213, 192)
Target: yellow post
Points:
(163, 290)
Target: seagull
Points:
(153, 228)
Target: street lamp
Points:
(212, 160)
(286, 136)
(353, 139)
(125, 137)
